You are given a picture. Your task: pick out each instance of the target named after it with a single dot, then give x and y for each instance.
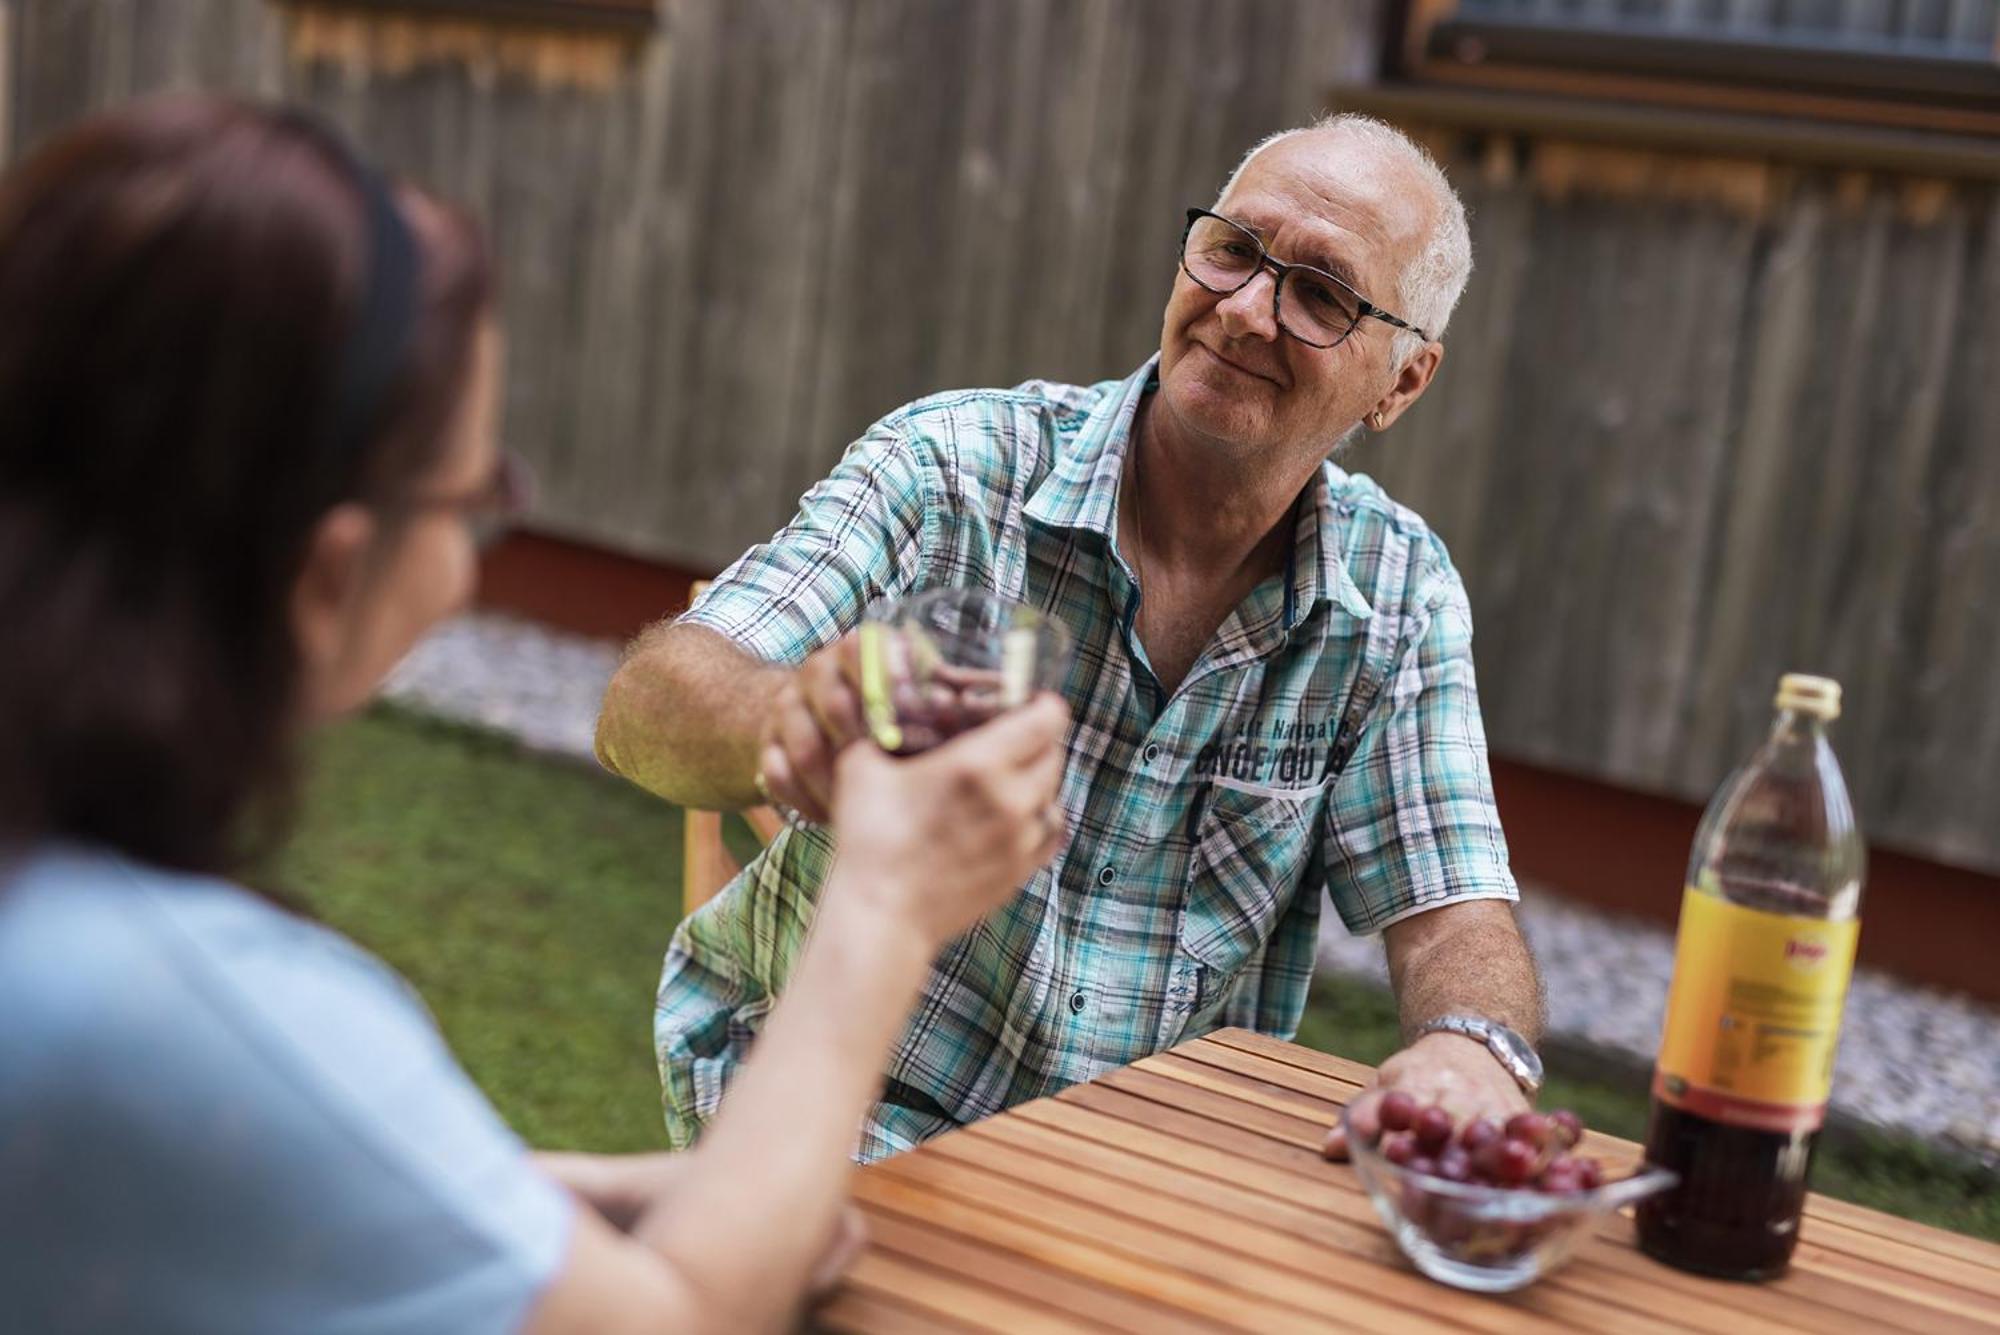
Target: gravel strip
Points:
(1911, 1059)
(500, 672)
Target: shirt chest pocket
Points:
(1251, 848)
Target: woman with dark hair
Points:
(247, 407)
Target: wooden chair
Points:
(706, 862)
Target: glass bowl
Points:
(1487, 1239)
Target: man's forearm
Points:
(1465, 959)
(683, 715)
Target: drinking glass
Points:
(943, 661)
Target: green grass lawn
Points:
(530, 901)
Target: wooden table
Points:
(1186, 1193)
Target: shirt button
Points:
(1077, 1003)
(1107, 876)
(1152, 752)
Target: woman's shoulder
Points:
(172, 1038)
(92, 939)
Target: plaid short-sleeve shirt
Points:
(1328, 736)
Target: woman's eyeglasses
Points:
(491, 508)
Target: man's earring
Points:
(1375, 419)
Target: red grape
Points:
(1569, 1127)
(1398, 1111)
(1529, 1126)
(1433, 1128)
(1514, 1162)
(1422, 1163)
(1454, 1164)
(1478, 1133)
(1399, 1147)
(1562, 1176)
(1591, 1173)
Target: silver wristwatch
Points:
(1512, 1051)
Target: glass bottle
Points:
(1769, 921)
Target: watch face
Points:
(1518, 1047)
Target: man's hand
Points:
(1466, 958)
(816, 715)
(1447, 1069)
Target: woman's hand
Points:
(622, 1187)
(939, 840)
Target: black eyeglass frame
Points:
(490, 509)
(1364, 308)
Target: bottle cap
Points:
(1817, 696)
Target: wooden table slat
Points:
(919, 1239)
(1116, 1270)
(1174, 1232)
(1269, 1228)
(1186, 1193)
(1265, 1230)
(1833, 1235)
(951, 1296)
(1223, 1105)
(1922, 1289)
(856, 1308)
(1921, 1236)
(1619, 1155)
(1196, 1127)
(1915, 1287)
(1242, 1050)
(1318, 1110)
(1352, 1073)
(1933, 1254)
(1207, 1052)
(1335, 1193)
(1298, 1154)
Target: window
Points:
(1928, 64)
(595, 13)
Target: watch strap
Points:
(1488, 1033)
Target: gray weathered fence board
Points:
(1807, 476)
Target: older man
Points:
(1272, 693)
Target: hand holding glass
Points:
(946, 660)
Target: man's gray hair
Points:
(1432, 283)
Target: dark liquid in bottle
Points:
(1735, 1214)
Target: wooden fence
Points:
(778, 218)
(1700, 421)
(1704, 422)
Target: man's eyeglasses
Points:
(1319, 310)
(491, 508)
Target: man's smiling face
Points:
(1228, 375)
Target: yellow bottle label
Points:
(1753, 1014)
